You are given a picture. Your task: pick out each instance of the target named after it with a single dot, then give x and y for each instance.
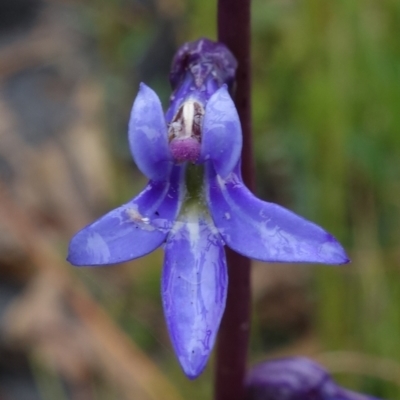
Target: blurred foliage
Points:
(326, 112)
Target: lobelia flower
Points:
(295, 379)
(196, 202)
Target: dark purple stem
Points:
(233, 337)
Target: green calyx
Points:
(194, 181)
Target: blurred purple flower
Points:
(295, 379)
(196, 202)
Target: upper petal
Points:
(266, 231)
(222, 133)
(194, 285)
(132, 230)
(148, 135)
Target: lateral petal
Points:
(194, 287)
(131, 230)
(148, 139)
(222, 133)
(266, 231)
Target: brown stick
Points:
(233, 338)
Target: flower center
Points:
(184, 132)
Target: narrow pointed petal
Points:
(266, 231)
(222, 133)
(148, 135)
(132, 230)
(194, 285)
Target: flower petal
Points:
(222, 133)
(295, 379)
(148, 135)
(289, 378)
(344, 394)
(194, 285)
(266, 231)
(132, 230)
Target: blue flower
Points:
(295, 379)
(196, 202)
